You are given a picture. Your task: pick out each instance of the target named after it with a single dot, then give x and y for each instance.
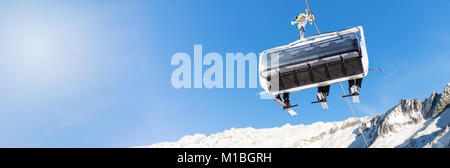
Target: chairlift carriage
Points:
(315, 61)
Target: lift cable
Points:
(343, 90)
(353, 113)
(315, 23)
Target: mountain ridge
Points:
(411, 123)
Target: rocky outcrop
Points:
(444, 101)
(428, 105)
(437, 103)
(406, 112)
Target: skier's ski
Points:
(287, 108)
(291, 112)
(323, 103)
(355, 97)
(351, 95)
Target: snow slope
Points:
(411, 123)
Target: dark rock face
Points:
(436, 103)
(406, 112)
(444, 101)
(428, 105)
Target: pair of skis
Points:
(285, 107)
(355, 97)
(323, 103)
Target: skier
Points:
(322, 93)
(301, 21)
(285, 100)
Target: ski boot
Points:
(353, 88)
(322, 94)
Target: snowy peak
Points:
(444, 101)
(318, 134)
(428, 105)
(407, 116)
(436, 103)
(410, 123)
(406, 112)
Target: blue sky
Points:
(97, 73)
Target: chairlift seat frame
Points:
(314, 61)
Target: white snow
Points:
(320, 134)
(332, 134)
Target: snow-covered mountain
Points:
(411, 123)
